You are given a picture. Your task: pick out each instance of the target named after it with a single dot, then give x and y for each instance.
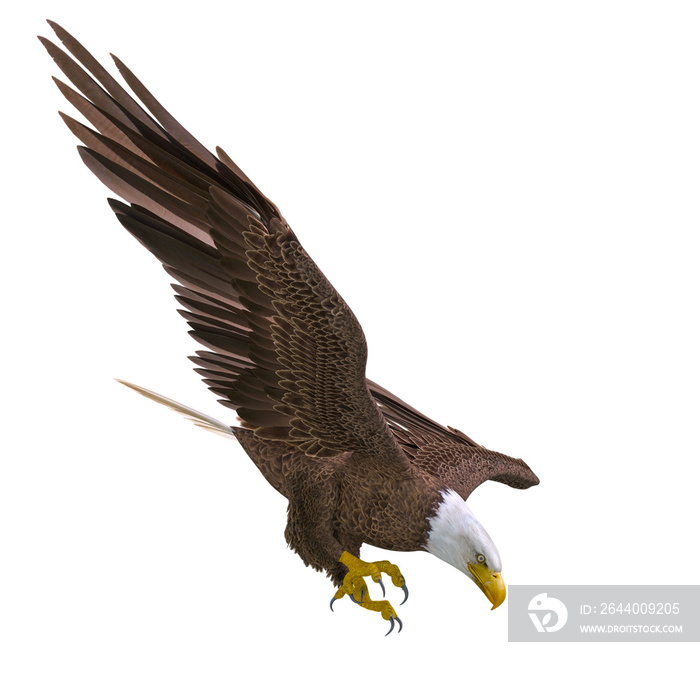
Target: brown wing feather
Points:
(411, 427)
(447, 453)
(462, 467)
(285, 351)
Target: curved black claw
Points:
(381, 583)
(391, 629)
(398, 619)
(404, 588)
(333, 599)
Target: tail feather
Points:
(199, 419)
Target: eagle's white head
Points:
(457, 537)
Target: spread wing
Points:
(448, 454)
(284, 350)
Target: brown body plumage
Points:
(284, 350)
(335, 506)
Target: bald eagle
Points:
(285, 352)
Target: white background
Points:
(507, 196)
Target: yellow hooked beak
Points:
(490, 582)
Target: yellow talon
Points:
(355, 586)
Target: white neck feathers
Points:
(457, 537)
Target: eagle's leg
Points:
(310, 529)
(354, 585)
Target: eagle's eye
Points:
(480, 558)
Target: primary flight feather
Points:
(285, 352)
